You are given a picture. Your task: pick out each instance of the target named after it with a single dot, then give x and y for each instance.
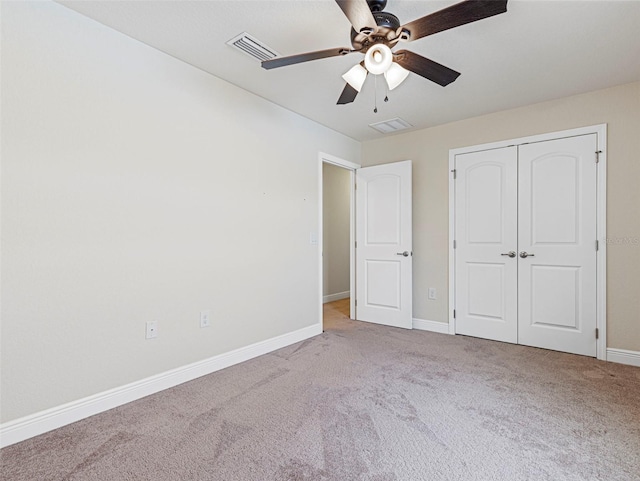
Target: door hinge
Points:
(597, 333)
(597, 245)
(454, 313)
(598, 152)
(356, 302)
(455, 245)
(455, 174)
(356, 243)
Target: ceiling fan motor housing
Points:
(377, 5)
(388, 25)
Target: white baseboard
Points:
(39, 423)
(623, 356)
(433, 326)
(336, 297)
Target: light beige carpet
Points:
(364, 402)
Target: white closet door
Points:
(557, 245)
(384, 244)
(486, 201)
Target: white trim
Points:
(593, 129)
(432, 326)
(332, 159)
(452, 236)
(622, 356)
(601, 235)
(320, 239)
(601, 219)
(351, 166)
(39, 423)
(335, 297)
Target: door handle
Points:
(523, 254)
(511, 254)
(405, 253)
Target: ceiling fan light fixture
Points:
(356, 76)
(378, 59)
(395, 75)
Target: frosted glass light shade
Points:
(378, 59)
(356, 76)
(395, 75)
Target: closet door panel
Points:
(486, 230)
(556, 245)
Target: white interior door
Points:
(557, 245)
(486, 200)
(384, 244)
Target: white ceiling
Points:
(538, 50)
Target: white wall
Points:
(336, 183)
(619, 107)
(136, 187)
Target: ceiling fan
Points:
(375, 33)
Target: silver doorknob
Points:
(523, 254)
(405, 253)
(511, 254)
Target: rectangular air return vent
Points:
(252, 47)
(390, 126)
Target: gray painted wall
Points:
(135, 188)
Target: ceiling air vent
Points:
(252, 47)
(390, 126)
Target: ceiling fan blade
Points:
(454, 16)
(304, 57)
(348, 95)
(359, 14)
(426, 68)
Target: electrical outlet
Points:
(205, 319)
(152, 329)
(432, 293)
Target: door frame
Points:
(351, 167)
(601, 220)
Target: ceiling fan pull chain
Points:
(375, 94)
(386, 92)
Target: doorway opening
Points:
(337, 239)
(380, 224)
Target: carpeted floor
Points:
(364, 402)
